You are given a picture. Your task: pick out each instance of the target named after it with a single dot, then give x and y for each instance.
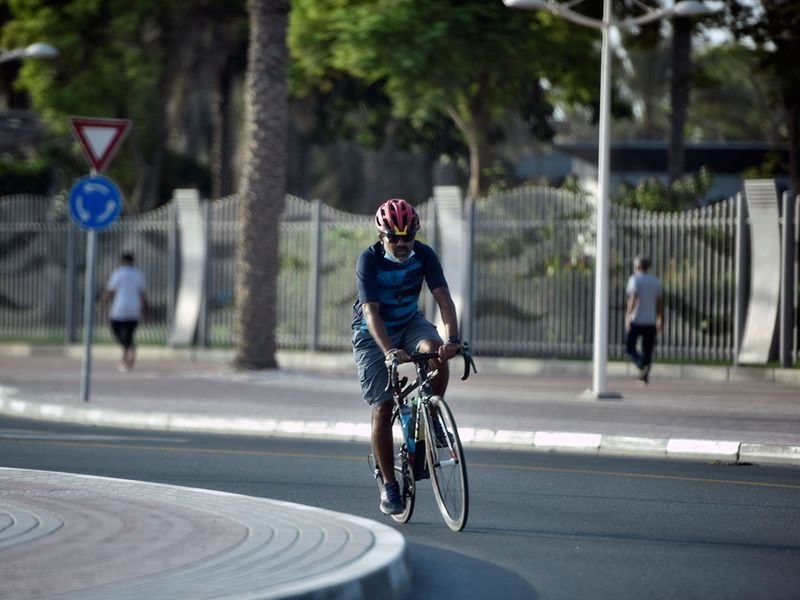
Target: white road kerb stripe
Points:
(550, 441)
(578, 441)
(703, 447)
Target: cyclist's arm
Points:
(447, 308)
(378, 330)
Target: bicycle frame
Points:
(412, 432)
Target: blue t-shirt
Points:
(394, 286)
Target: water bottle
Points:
(407, 422)
(420, 466)
(405, 418)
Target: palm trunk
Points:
(263, 188)
(793, 115)
(679, 94)
(221, 147)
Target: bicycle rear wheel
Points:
(446, 464)
(403, 472)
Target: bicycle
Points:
(426, 441)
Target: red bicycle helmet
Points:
(396, 216)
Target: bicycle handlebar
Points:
(421, 357)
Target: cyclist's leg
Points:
(373, 377)
(382, 443)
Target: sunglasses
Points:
(394, 238)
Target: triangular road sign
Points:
(99, 138)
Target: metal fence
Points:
(42, 269)
(531, 251)
(534, 275)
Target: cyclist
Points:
(387, 323)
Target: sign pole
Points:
(88, 313)
(94, 203)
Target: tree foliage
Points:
(116, 59)
(111, 60)
(732, 99)
(468, 60)
(774, 26)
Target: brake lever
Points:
(468, 362)
(391, 380)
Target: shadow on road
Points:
(438, 573)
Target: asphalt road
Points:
(541, 525)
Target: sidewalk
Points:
(736, 416)
(710, 413)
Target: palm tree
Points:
(679, 94)
(263, 187)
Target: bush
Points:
(24, 176)
(654, 195)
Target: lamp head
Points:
(692, 8)
(40, 50)
(529, 4)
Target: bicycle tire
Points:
(448, 470)
(403, 472)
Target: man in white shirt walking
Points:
(644, 316)
(126, 291)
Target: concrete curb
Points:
(543, 441)
(285, 550)
(343, 361)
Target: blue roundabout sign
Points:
(95, 202)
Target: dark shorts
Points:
(370, 358)
(123, 331)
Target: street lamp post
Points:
(684, 8)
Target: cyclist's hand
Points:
(400, 354)
(448, 350)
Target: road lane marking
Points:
(602, 473)
(789, 486)
(45, 436)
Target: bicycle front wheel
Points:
(446, 463)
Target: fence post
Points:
(193, 263)
(796, 343)
(172, 262)
(202, 320)
(450, 216)
(788, 258)
(432, 227)
(469, 255)
(739, 268)
(71, 274)
(314, 283)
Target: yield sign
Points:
(99, 138)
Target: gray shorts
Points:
(370, 358)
